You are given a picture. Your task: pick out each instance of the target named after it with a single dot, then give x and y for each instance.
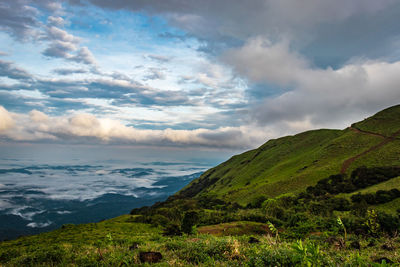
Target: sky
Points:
(210, 74)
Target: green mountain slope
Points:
(292, 163)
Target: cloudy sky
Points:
(189, 73)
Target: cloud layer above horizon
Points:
(225, 74)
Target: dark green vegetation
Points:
(319, 198)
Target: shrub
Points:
(265, 256)
(172, 229)
(388, 223)
(189, 221)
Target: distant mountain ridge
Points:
(292, 163)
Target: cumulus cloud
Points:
(263, 61)
(37, 126)
(18, 19)
(37, 116)
(317, 96)
(6, 121)
(65, 45)
(84, 56)
(56, 21)
(8, 69)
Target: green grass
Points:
(292, 163)
(119, 228)
(390, 184)
(390, 207)
(108, 244)
(234, 228)
(83, 245)
(385, 122)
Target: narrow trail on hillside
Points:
(357, 130)
(346, 164)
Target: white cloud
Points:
(65, 45)
(37, 126)
(263, 61)
(321, 96)
(6, 121)
(56, 21)
(37, 116)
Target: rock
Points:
(355, 245)
(134, 246)
(380, 260)
(150, 257)
(253, 240)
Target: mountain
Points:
(290, 164)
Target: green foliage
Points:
(273, 230)
(385, 122)
(372, 222)
(341, 224)
(309, 253)
(267, 256)
(172, 229)
(189, 221)
(205, 250)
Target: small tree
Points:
(189, 221)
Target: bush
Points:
(388, 223)
(172, 229)
(264, 256)
(189, 220)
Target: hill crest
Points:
(292, 163)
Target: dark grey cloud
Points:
(18, 19)
(9, 70)
(248, 18)
(11, 100)
(18, 103)
(372, 36)
(329, 32)
(59, 49)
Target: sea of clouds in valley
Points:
(35, 198)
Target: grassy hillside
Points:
(385, 122)
(292, 163)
